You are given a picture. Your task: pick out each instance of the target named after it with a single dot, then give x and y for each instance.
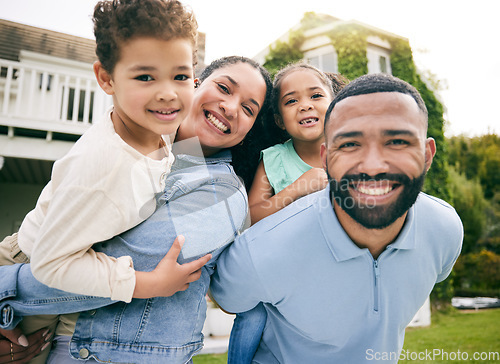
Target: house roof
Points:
(15, 37)
(325, 23)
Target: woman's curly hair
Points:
(246, 154)
(118, 21)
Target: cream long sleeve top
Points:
(100, 189)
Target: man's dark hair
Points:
(373, 83)
(118, 21)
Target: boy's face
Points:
(303, 102)
(152, 86)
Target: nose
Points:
(165, 92)
(305, 106)
(373, 161)
(229, 108)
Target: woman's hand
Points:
(169, 276)
(17, 348)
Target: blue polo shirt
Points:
(327, 300)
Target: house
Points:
(320, 43)
(48, 98)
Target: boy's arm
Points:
(63, 267)
(62, 256)
(169, 276)
(262, 200)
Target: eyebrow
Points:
(390, 132)
(349, 134)
(399, 132)
(293, 92)
(143, 68)
(236, 84)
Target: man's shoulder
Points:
(435, 213)
(434, 204)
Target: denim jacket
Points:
(204, 201)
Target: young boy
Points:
(107, 183)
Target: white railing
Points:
(49, 99)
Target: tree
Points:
(478, 157)
(468, 199)
(284, 53)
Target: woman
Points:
(204, 202)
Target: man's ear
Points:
(323, 153)
(430, 151)
(279, 121)
(103, 78)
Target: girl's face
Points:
(226, 105)
(302, 104)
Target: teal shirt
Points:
(283, 165)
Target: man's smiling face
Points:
(376, 155)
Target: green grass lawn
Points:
(458, 331)
(452, 334)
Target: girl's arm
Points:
(262, 200)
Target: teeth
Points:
(374, 191)
(165, 112)
(216, 122)
(307, 121)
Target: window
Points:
(314, 61)
(382, 64)
(324, 58)
(378, 59)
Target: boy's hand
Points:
(17, 348)
(169, 276)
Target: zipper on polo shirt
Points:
(376, 290)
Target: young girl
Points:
(288, 171)
(301, 95)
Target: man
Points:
(343, 271)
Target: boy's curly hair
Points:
(118, 21)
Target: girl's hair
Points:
(338, 81)
(275, 134)
(246, 154)
(118, 21)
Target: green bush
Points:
(478, 274)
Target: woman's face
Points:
(226, 105)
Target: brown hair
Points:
(118, 21)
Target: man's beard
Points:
(369, 215)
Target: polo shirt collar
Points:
(407, 238)
(341, 245)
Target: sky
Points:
(456, 40)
